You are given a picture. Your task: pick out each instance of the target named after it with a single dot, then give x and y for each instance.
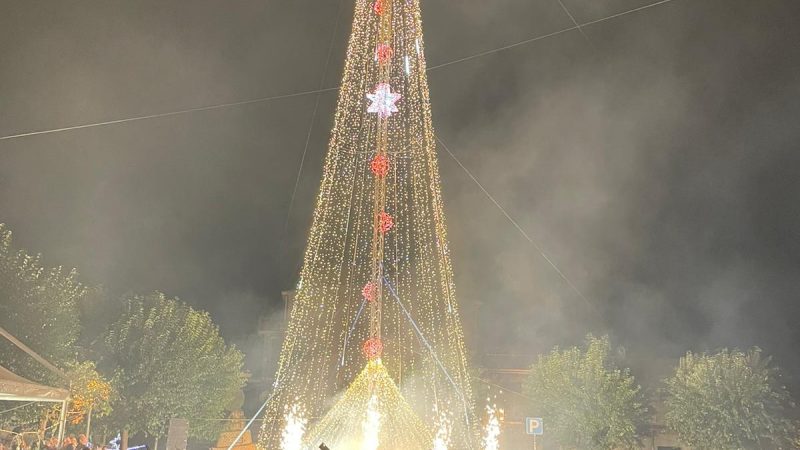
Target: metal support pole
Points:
(32, 353)
(62, 422)
(258, 413)
(89, 423)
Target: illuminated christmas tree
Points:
(374, 355)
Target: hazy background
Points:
(654, 157)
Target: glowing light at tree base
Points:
(491, 433)
(371, 414)
(441, 441)
(378, 228)
(372, 425)
(292, 436)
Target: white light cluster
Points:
(295, 428)
(442, 439)
(491, 433)
(372, 425)
(344, 252)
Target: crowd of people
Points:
(18, 442)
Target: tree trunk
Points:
(123, 444)
(155, 446)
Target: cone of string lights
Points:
(371, 413)
(375, 303)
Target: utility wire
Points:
(297, 180)
(350, 332)
(313, 118)
(500, 49)
(517, 226)
(296, 183)
(574, 22)
(625, 13)
(434, 356)
(548, 35)
(321, 90)
(489, 383)
(166, 114)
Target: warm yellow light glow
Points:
(372, 425)
(321, 355)
(371, 414)
(295, 428)
(441, 441)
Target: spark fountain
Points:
(491, 431)
(374, 348)
(293, 432)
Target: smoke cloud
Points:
(654, 160)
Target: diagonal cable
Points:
(321, 90)
(518, 227)
(313, 118)
(166, 114)
(548, 35)
(430, 348)
(574, 22)
(352, 328)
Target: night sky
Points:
(654, 157)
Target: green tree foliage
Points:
(39, 306)
(98, 308)
(587, 402)
(169, 360)
(729, 400)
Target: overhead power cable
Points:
(516, 225)
(548, 35)
(323, 90)
(166, 114)
(296, 183)
(574, 22)
(319, 92)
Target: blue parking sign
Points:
(534, 426)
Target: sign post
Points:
(534, 426)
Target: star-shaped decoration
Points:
(383, 101)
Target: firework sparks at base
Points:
(442, 439)
(491, 433)
(371, 425)
(370, 414)
(292, 436)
